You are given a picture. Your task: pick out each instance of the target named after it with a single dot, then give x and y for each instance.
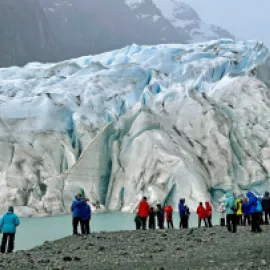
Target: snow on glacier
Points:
(166, 121)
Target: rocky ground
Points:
(174, 249)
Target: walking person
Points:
(86, 217)
(76, 209)
(144, 210)
(239, 213)
(8, 224)
(152, 219)
(222, 212)
(245, 210)
(231, 209)
(160, 216)
(169, 216)
(201, 212)
(208, 209)
(138, 221)
(266, 207)
(252, 208)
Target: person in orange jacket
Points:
(201, 212)
(144, 210)
(208, 209)
(169, 216)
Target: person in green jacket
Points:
(230, 205)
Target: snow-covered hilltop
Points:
(167, 121)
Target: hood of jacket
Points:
(266, 194)
(250, 195)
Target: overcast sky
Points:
(246, 19)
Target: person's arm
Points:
(1, 223)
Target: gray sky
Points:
(246, 19)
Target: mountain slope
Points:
(165, 121)
(25, 34)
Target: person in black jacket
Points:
(152, 219)
(266, 206)
(160, 216)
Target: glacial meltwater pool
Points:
(35, 231)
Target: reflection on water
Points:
(34, 231)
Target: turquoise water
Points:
(35, 231)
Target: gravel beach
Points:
(203, 248)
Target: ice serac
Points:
(165, 121)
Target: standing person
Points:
(76, 209)
(266, 207)
(222, 212)
(144, 210)
(239, 213)
(183, 211)
(138, 221)
(245, 210)
(208, 209)
(201, 212)
(8, 224)
(230, 213)
(169, 216)
(252, 208)
(160, 216)
(152, 219)
(86, 217)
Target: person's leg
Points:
(267, 214)
(253, 222)
(234, 223)
(199, 222)
(4, 242)
(172, 224)
(210, 221)
(82, 225)
(258, 223)
(241, 220)
(87, 226)
(144, 223)
(229, 222)
(222, 222)
(75, 222)
(11, 242)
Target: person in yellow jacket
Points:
(239, 213)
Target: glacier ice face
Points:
(166, 121)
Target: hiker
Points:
(222, 212)
(183, 213)
(266, 207)
(160, 216)
(169, 216)
(245, 210)
(252, 208)
(76, 209)
(239, 213)
(86, 217)
(8, 224)
(138, 221)
(260, 210)
(144, 210)
(208, 209)
(152, 219)
(231, 209)
(201, 212)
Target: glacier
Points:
(165, 121)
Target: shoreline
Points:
(204, 248)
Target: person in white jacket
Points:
(222, 212)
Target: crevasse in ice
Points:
(165, 121)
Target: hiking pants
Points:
(86, 226)
(222, 222)
(240, 220)
(152, 224)
(169, 224)
(7, 237)
(246, 219)
(231, 223)
(200, 222)
(255, 222)
(75, 223)
(209, 220)
(144, 220)
(266, 216)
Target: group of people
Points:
(247, 210)
(160, 214)
(81, 214)
(233, 211)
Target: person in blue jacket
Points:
(76, 209)
(231, 218)
(252, 208)
(8, 224)
(183, 211)
(86, 217)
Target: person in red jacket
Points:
(144, 210)
(208, 208)
(201, 212)
(169, 216)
